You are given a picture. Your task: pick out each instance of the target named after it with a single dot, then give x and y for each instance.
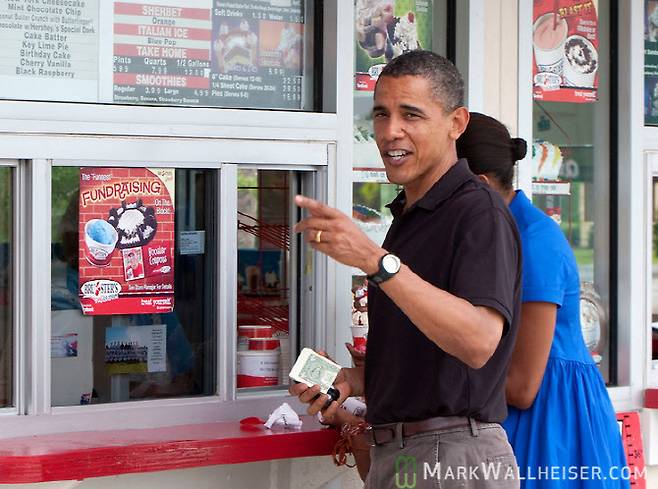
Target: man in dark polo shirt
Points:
(443, 294)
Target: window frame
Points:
(35, 401)
(17, 283)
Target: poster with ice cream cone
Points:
(565, 39)
(384, 30)
(126, 240)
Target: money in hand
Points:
(314, 369)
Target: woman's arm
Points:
(533, 344)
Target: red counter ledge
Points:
(77, 456)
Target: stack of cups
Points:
(258, 356)
(360, 337)
(284, 364)
(245, 332)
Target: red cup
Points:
(245, 332)
(263, 344)
(360, 337)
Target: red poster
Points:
(565, 39)
(126, 241)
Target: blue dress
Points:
(569, 437)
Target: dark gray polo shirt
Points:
(461, 238)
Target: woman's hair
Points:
(490, 150)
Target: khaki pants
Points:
(469, 457)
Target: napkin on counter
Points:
(284, 416)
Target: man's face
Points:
(416, 139)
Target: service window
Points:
(269, 273)
(7, 353)
(571, 152)
(133, 260)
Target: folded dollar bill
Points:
(314, 369)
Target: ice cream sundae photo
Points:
(381, 33)
(290, 47)
(236, 48)
(580, 62)
(135, 224)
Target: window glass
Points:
(186, 53)
(571, 149)
(654, 270)
(135, 249)
(384, 29)
(6, 289)
(267, 276)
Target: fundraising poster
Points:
(209, 53)
(651, 62)
(384, 30)
(566, 50)
(126, 242)
(49, 47)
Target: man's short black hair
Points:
(446, 82)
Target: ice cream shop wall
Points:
(161, 144)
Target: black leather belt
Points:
(385, 433)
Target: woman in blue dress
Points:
(561, 422)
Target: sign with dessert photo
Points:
(126, 244)
(565, 41)
(257, 54)
(384, 30)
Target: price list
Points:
(161, 54)
(48, 47)
(257, 54)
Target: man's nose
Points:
(393, 129)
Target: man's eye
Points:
(378, 115)
(411, 116)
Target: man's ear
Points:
(460, 118)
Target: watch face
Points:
(391, 263)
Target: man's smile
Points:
(396, 157)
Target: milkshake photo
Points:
(548, 37)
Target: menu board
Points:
(49, 47)
(212, 53)
(235, 54)
(126, 245)
(565, 39)
(161, 53)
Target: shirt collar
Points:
(444, 187)
(519, 201)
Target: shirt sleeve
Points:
(543, 266)
(486, 263)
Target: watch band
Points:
(382, 275)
